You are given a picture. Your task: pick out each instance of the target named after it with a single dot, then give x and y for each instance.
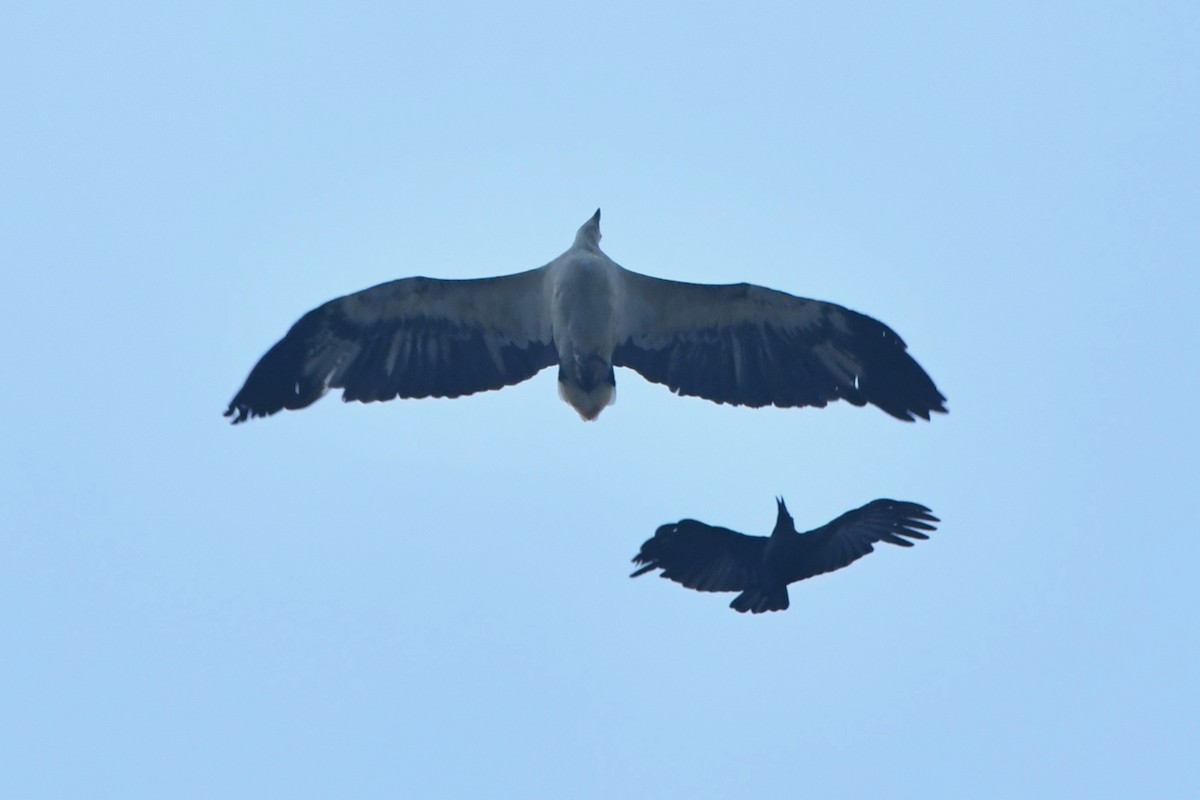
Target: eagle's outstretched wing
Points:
(414, 337)
(747, 345)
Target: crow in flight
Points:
(712, 559)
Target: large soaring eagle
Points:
(712, 559)
(740, 344)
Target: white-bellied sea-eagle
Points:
(739, 344)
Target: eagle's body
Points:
(739, 344)
(585, 315)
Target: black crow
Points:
(712, 559)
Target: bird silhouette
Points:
(712, 559)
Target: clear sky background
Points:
(429, 598)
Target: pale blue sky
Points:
(429, 598)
